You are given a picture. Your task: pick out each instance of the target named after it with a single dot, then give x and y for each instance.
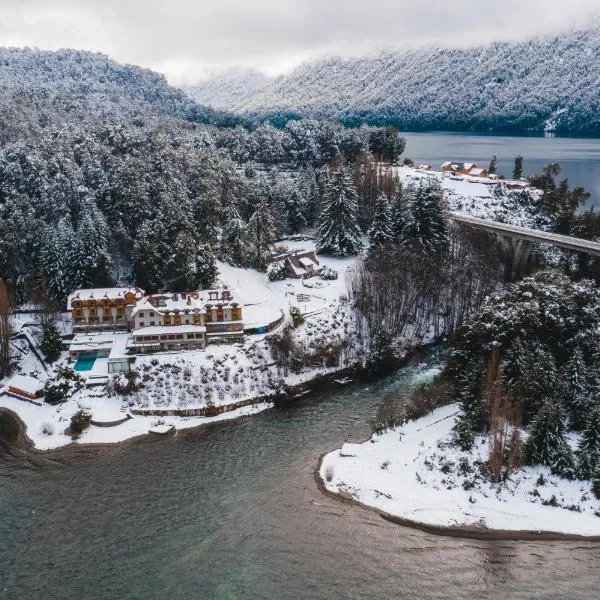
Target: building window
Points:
(151, 323)
(151, 313)
(142, 324)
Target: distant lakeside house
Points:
(464, 168)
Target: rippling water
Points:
(233, 511)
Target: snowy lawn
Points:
(477, 199)
(415, 473)
(46, 424)
(220, 375)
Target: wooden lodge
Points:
(106, 309)
(186, 320)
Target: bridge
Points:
(516, 241)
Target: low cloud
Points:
(188, 39)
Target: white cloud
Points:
(187, 39)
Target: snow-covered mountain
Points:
(229, 87)
(547, 83)
(39, 87)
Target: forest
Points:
(109, 175)
(544, 84)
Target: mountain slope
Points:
(228, 88)
(41, 87)
(542, 83)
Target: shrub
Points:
(47, 428)
(596, 487)
(297, 318)
(328, 274)
(329, 472)
(277, 271)
(127, 383)
(80, 421)
(62, 386)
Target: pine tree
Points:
(51, 341)
(262, 232)
(577, 388)
(492, 167)
(425, 228)
(546, 444)
(296, 210)
(518, 170)
(339, 233)
(381, 228)
(588, 452)
(401, 211)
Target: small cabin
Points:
(302, 264)
(26, 387)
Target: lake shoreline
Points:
(398, 474)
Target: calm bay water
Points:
(579, 158)
(233, 512)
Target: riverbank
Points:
(413, 476)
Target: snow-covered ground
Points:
(490, 200)
(46, 424)
(415, 473)
(220, 375)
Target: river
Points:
(579, 158)
(232, 511)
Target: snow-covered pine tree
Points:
(546, 444)
(339, 233)
(90, 262)
(380, 231)
(425, 229)
(261, 231)
(401, 210)
(492, 167)
(296, 210)
(588, 451)
(578, 389)
(55, 249)
(51, 341)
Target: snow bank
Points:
(414, 473)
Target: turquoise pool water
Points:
(85, 362)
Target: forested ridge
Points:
(543, 83)
(108, 175)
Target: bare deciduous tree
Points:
(5, 331)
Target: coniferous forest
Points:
(109, 174)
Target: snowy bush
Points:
(329, 473)
(127, 383)
(62, 386)
(328, 274)
(277, 271)
(80, 421)
(47, 428)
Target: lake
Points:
(233, 512)
(579, 158)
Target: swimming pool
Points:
(85, 362)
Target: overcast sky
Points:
(188, 39)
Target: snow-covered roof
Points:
(469, 165)
(169, 330)
(193, 302)
(27, 384)
(99, 293)
(306, 262)
(300, 261)
(477, 171)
